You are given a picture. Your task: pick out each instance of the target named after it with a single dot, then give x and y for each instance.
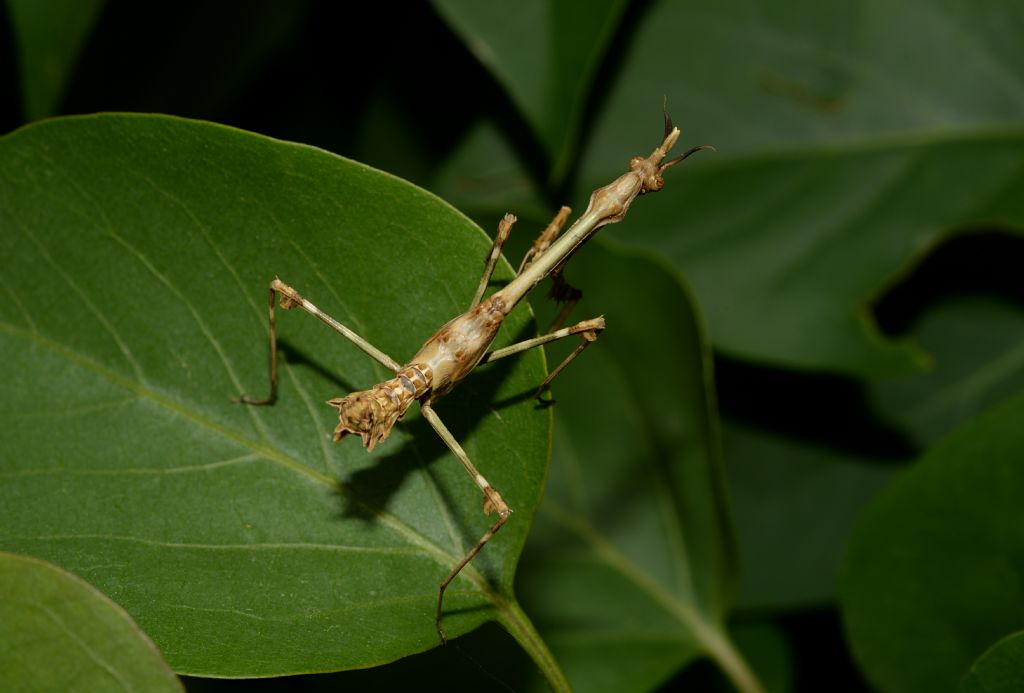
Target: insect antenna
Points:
(669, 127)
(692, 150)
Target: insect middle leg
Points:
(290, 298)
(588, 331)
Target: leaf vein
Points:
(98, 314)
(388, 520)
(269, 546)
(131, 471)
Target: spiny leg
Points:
(290, 298)
(492, 503)
(588, 330)
(504, 229)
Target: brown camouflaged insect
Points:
(462, 344)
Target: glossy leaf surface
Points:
(932, 573)
(59, 633)
(631, 566)
(245, 542)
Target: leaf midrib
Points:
(611, 556)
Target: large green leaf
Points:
(138, 250)
(631, 567)
(49, 35)
(59, 634)
(545, 53)
(802, 74)
(933, 573)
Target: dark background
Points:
(392, 86)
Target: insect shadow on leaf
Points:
(370, 489)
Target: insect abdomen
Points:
(372, 413)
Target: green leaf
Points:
(630, 567)
(794, 503)
(933, 571)
(999, 670)
(59, 633)
(134, 312)
(484, 177)
(977, 348)
(798, 74)
(545, 54)
(49, 35)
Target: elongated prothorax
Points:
(608, 205)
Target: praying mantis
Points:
(463, 343)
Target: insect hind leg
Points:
(493, 502)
